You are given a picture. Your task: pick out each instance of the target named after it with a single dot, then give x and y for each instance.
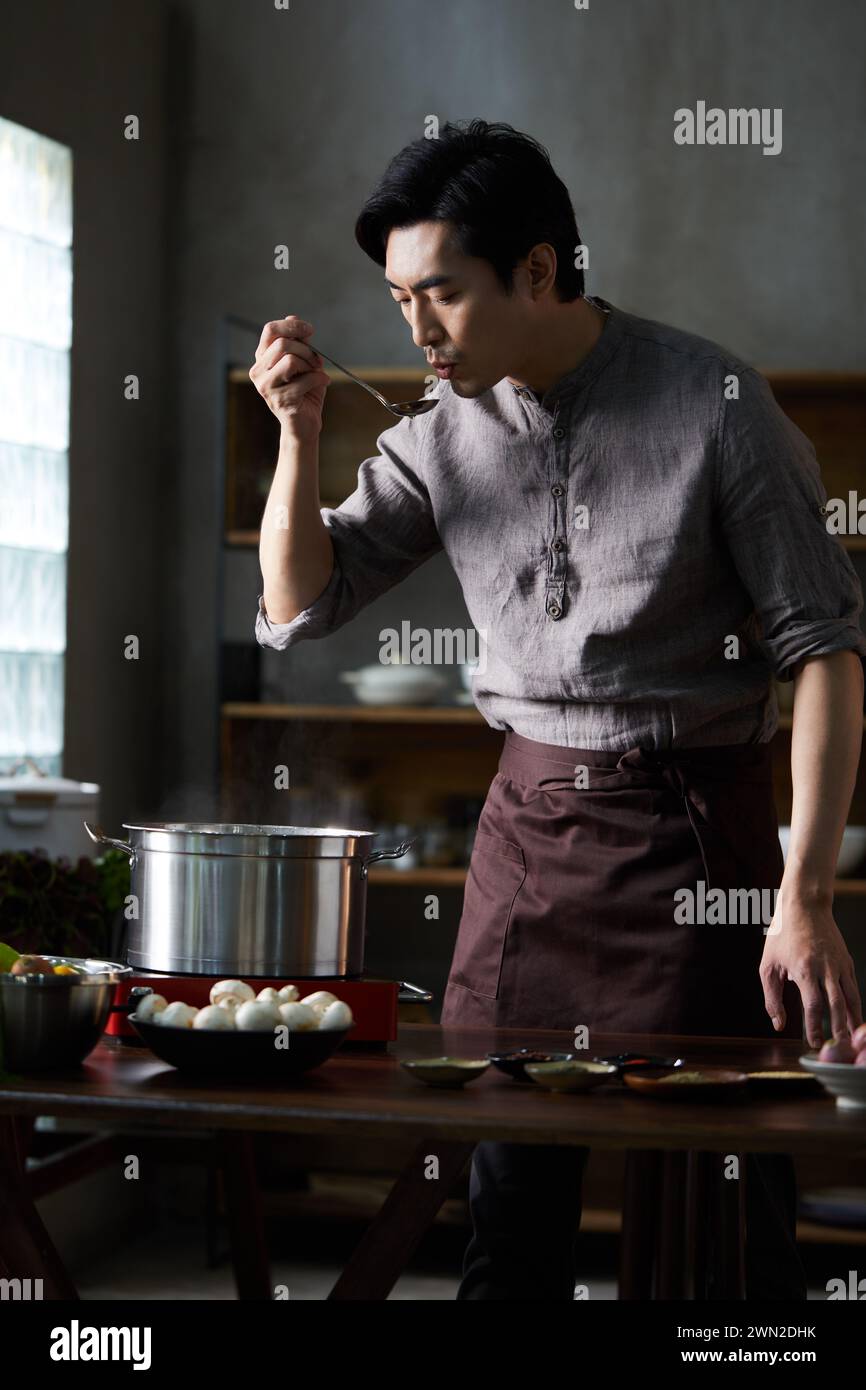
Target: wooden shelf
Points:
(352, 421)
(463, 717)
(240, 375)
(357, 714)
(851, 887)
(452, 877)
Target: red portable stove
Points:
(373, 1002)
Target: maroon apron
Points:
(569, 910)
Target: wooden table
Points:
(674, 1192)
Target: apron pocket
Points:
(497, 869)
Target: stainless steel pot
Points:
(270, 900)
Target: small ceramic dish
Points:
(782, 1083)
(514, 1063)
(692, 1083)
(842, 1079)
(446, 1071)
(571, 1075)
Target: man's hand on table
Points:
(805, 945)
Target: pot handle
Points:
(378, 854)
(411, 994)
(132, 1001)
(99, 837)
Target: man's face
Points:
(465, 317)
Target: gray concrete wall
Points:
(289, 117)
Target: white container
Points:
(40, 812)
(851, 851)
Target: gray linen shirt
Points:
(609, 538)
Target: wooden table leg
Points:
(26, 1249)
(244, 1213)
(641, 1195)
(671, 1270)
(408, 1211)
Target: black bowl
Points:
(206, 1052)
(514, 1063)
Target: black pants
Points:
(526, 1203)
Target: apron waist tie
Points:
(654, 769)
(689, 772)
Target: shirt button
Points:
(559, 433)
(558, 545)
(556, 490)
(554, 610)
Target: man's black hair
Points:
(494, 184)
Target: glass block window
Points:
(35, 341)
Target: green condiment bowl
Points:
(446, 1071)
(571, 1076)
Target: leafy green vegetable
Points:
(58, 908)
(8, 957)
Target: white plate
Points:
(842, 1079)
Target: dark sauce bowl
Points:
(514, 1063)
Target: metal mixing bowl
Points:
(56, 1020)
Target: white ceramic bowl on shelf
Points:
(394, 684)
(851, 850)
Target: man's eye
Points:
(446, 300)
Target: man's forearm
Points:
(825, 751)
(295, 550)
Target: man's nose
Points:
(425, 331)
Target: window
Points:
(35, 341)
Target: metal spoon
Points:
(407, 408)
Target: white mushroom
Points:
(319, 1000)
(229, 1003)
(289, 994)
(256, 1016)
(336, 1015)
(213, 1016)
(176, 1015)
(149, 1006)
(235, 989)
(269, 995)
(298, 1018)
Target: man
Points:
(638, 533)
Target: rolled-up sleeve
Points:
(380, 534)
(769, 496)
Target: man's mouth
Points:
(445, 372)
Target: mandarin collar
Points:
(596, 359)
